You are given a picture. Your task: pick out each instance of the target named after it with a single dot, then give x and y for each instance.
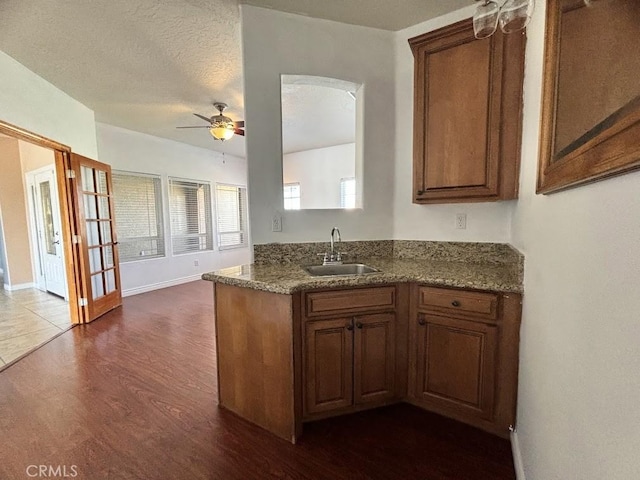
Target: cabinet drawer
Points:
(458, 302)
(356, 300)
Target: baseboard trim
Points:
(517, 456)
(157, 286)
(19, 286)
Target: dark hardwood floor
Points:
(133, 395)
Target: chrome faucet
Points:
(332, 257)
(334, 232)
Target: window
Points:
(190, 212)
(137, 201)
(231, 209)
(347, 192)
(292, 196)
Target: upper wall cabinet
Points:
(467, 115)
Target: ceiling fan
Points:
(220, 126)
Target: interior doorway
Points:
(85, 240)
(33, 289)
(46, 233)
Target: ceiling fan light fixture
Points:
(220, 126)
(222, 130)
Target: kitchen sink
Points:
(345, 269)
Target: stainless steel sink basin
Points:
(345, 269)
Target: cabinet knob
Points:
(455, 303)
(358, 324)
(420, 192)
(422, 321)
(349, 327)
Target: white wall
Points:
(579, 394)
(30, 102)
(486, 222)
(136, 152)
(319, 172)
(277, 43)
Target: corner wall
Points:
(578, 412)
(137, 152)
(486, 222)
(276, 43)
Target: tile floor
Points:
(29, 318)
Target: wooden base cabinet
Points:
(287, 359)
(464, 355)
(349, 361)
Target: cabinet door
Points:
(467, 113)
(374, 357)
(328, 367)
(456, 365)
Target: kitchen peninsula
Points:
(436, 326)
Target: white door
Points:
(49, 231)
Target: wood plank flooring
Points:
(133, 396)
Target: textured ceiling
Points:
(143, 65)
(146, 65)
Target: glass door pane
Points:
(100, 262)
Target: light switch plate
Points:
(276, 223)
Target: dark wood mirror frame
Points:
(608, 141)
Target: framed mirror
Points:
(319, 143)
(590, 126)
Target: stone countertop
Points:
(290, 278)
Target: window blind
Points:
(292, 196)
(137, 202)
(190, 213)
(231, 209)
(348, 192)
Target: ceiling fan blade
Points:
(199, 126)
(239, 124)
(206, 119)
(237, 131)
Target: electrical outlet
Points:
(461, 221)
(276, 223)
(196, 263)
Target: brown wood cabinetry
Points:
(467, 115)
(288, 359)
(328, 356)
(374, 358)
(464, 355)
(350, 360)
(456, 364)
